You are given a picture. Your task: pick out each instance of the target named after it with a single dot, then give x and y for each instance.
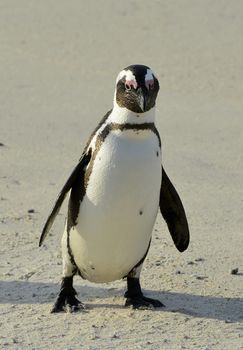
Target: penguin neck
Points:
(122, 115)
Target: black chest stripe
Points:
(128, 126)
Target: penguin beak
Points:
(142, 98)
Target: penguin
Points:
(116, 191)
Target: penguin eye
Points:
(128, 87)
(149, 84)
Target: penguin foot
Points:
(143, 303)
(66, 300)
(68, 304)
(135, 298)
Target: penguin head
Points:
(136, 88)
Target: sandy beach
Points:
(58, 65)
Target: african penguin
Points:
(116, 190)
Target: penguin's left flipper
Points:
(79, 169)
(174, 214)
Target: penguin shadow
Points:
(225, 309)
(211, 307)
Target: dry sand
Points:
(58, 64)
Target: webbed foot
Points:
(66, 300)
(143, 303)
(135, 297)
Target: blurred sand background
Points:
(58, 64)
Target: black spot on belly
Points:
(140, 212)
(157, 153)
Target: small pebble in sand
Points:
(2, 144)
(115, 336)
(234, 271)
(201, 277)
(31, 211)
(199, 259)
(228, 321)
(94, 337)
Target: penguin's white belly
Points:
(118, 211)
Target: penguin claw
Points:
(143, 303)
(69, 304)
(66, 300)
(74, 308)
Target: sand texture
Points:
(58, 64)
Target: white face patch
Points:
(149, 75)
(130, 78)
(149, 79)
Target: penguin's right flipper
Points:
(79, 169)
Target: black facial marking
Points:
(130, 98)
(139, 71)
